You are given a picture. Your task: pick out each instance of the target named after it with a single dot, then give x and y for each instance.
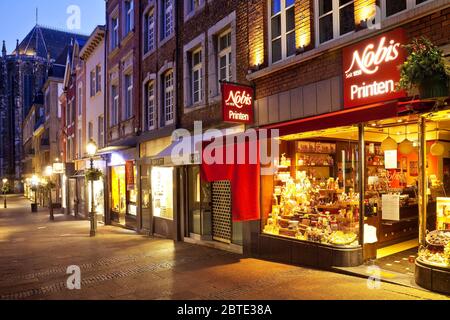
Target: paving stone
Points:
(121, 265)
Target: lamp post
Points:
(91, 149)
(34, 184)
(5, 187)
(49, 173)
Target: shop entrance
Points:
(118, 195)
(221, 211)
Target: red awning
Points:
(341, 118)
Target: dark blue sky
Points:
(18, 17)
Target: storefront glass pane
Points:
(145, 197)
(314, 194)
(132, 195)
(436, 249)
(118, 194)
(391, 185)
(162, 192)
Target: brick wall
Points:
(329, 64)
(249, 29)
(131, 44)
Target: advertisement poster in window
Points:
(129, 173)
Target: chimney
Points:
(4, 49)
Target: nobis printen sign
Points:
(237, 103)
(371, 69)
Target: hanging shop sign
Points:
(371, 69)
(237, 103)
(58, 168)
(129, 173)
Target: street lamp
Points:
(5, 187)
(49, 173)
(91, 150)
(34, 185)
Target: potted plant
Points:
(425, 70)
(93, 174)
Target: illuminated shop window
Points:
(162, 192)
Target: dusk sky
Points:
(17, 17)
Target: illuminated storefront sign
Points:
(371, 69)
(237, 103)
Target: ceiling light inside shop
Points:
(389, 144)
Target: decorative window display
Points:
(315, 192)
(162, 192)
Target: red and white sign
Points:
(237, 103)
(372, 69)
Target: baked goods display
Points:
(438, 238)
(437, 251)
(317, 211)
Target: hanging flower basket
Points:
(93, 174)
(5, 189)
(425, 70)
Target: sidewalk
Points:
(119, 264)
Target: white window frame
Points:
(129, 17)
(336, 21)
(151, 100)
(167, 18)
(115, 105)
(227, 53)
(190, 9)
(149, 37)
(222, 26)
(80, 100)
(115, 32)
(93, 82)
(284, 33)
(98, 78)
(198, 68)
(101, 131)
(410, 4)
(128, 96)
(169, 97)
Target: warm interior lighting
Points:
(48, 171)
(364, 10)
(303, 25)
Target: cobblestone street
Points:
(118, 264)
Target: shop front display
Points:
(118, 195)
(315, 194)
(162, 184)
(433, 262)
